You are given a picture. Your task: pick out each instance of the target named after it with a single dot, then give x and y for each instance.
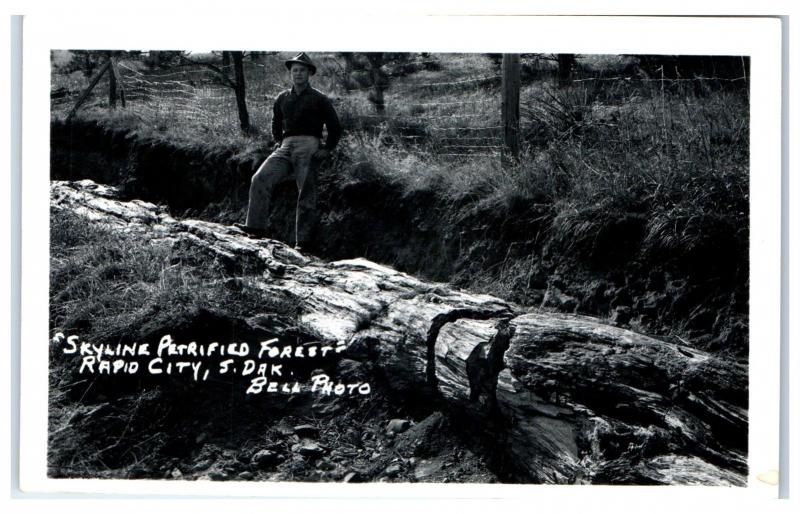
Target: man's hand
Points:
(322, 154)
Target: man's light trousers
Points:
(292, 159)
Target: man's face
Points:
(299, 74)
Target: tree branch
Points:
(213, 67)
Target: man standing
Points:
(297, 119)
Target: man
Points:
(297, 119)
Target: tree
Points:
(239, 90)
(566, 63)
(376, 60)
(88, 61)
(510, 109)
(226, 62)
(349, 66)
(237, 83)
(162, 58)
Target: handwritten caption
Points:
(268, 365)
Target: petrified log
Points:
(568, 399)
(582, 395)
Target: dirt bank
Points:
(697, 293)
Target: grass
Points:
(669, 158)
(623, 179)
(663, 171)
(112, 287)
(187, 105)
(676, 157)
(105, 284)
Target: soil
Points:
(157, 434)
(699, 295)
(700, 298)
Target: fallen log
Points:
(567, 399)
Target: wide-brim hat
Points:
(303, 59)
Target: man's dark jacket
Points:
(304, 115)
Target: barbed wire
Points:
(492, 127)
(436, 104)
(494, 155)
(406, 63)
(408, 87)
(411, 116)
(182, 73)
(468, 146)
(647, 79)
(177, 85)
(447, 138)
(190, 93)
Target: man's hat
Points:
(303, 59)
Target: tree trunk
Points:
(348, 70)
(226, 63)
(510, 109)
(566, 63)
(88, 64)
(239, 89)
(376, 94)
(154, 60)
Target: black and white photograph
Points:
(401, 267)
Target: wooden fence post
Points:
(88, 90)
(112, 85)
(376, 94)
(510, 109)
(120, 84)
(566, 63)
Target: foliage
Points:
(108, 284)
(617, 150)
(621, 173)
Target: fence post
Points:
(510, 109)
(120, 84)
(566, 62)
(376, 94)
(112, 85)
(88, 90)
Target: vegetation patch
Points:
(630, 200)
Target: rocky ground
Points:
(356, 444)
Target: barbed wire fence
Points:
(451, 128)
(194, 97)
(197, 96)
(456, 119)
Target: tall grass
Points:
(665, 170)
(107, 287)
(674, 156)
(188, 105)
(107, 284)
(669, 158)
(642, 153)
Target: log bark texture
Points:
(565, 399)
